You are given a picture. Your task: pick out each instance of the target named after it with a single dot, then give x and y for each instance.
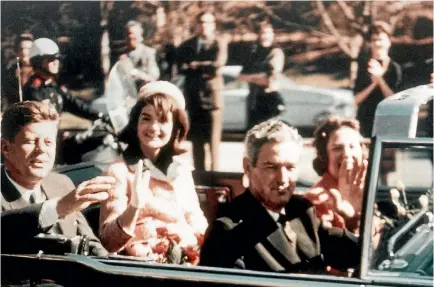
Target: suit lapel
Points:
(52, 187)
(279, 241)
(304, 242)
(10, 193)
(276, 242)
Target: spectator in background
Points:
(10, 85)
(166, 56)
(200, 59)
(377, 78)
(264, 63)
(145, 68)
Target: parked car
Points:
(305, 105)
(404, 256)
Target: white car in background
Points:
(305, 105)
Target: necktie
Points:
(32, 198)
(291, 235)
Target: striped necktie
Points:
(284, 221)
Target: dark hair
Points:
(321, 138)
(199, 16)
(132, 23)
(20, 114)
(164, 104)
(21, 38)
(379, 27)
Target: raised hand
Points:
(86, 193)
(375, 69)
(351, 181)
(343, 207)
(140, 193)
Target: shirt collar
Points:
(25, 193)
(177, 167)
(275, 215)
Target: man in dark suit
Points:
(200, 59)
(35, 200)
(267, 228)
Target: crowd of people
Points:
(148, 204)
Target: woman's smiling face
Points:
(153, 130)
(343, 143)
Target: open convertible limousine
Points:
(401, 157)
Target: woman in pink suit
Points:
(154, 211)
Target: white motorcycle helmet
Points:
(43, 48)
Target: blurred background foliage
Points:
(318, 37)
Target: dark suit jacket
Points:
(196, 81)
(249, 238)
(20, 226)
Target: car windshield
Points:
(403, 216)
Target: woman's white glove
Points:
(140, 193)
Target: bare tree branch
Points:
(347, 11)
(271, 13)
(329, 24)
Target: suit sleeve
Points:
(153, 70)
(224, 244)
(149, 72)
(78, 107)
(182, 57)
(220, 61)
(340, 248)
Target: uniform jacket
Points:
(37, 90)
(20, 226)
(202, 85)
(249, 238)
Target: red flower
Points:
(160, 248)
(162, 232)
(192, 254)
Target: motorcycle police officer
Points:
(42, 86)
